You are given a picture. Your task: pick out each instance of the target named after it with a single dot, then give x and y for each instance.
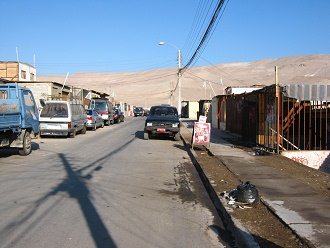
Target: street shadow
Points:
(139, 134)
(181, 147)
(77, 189)
(74, 185)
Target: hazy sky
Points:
(120, 35)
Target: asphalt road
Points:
(107, 188)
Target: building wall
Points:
(193, 110)
(39, 90)
(46, 91)
(9, 71)
(27, 73)
(319, 160)
(214, 111)
(15, 71)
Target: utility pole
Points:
(179, 73)
(171, 91)
(179, 82)
(278, 106)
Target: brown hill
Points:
(153, 87)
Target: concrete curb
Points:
(242, 236)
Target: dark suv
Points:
(163, 120)
(138, 111)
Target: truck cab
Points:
(19, 118)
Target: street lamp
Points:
(179, 72)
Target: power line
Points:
(206, 35)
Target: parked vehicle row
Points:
(63, 118)
(19, 118)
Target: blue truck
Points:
(19, 118)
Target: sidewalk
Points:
(296, 203)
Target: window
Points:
(32, 77)
(23, 74)
(3, 94)
(55, 110)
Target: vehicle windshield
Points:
(89, 112)
(163, 111)
(54, 109)
(100, 106)
(138, 109)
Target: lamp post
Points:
(179, 72)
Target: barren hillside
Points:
(152, 87)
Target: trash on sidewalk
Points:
(259, 151)
(245, 194)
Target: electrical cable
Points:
(205, 36)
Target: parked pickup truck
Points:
(19, 118)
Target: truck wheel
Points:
(27, 146)
(177, 137)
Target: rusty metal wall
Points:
(306, 124)
(278, 122)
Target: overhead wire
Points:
(196, 28)
(206, 35)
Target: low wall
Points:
(319, 160)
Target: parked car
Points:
(163, 120)
(118, 116)
(105, 108)
(94, 119)
(138, 111)
(62, 118)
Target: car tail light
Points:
(70, 125)
(90, 118)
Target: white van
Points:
(62, 118)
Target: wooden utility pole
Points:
(277, 96)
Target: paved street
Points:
(108, 188)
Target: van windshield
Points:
(54, 109)
(101, 106)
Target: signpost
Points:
(201, 133)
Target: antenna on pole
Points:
(66, 77)
(34, 60)
(17, 55)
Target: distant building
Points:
(17, 71)
(236, 90)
